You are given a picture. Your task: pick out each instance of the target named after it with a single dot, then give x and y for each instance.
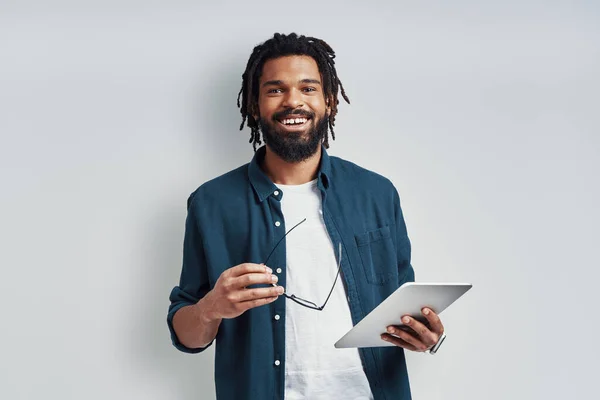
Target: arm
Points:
(196, 311)
(418, 337)
(197, 325)
(190, 330)
(194, 328)
(406, 272)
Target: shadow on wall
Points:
(216, 128)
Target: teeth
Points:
(292, 121)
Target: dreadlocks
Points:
(284, 45)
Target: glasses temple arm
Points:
(269, 256)
(336, 276)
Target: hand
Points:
(230, 298)
(414, 335)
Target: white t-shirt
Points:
(314, 369)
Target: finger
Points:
(253, 279)
(434, 321)
(247, 268)
(259, 293)
(398, 342)
(416, 342)
(246, 305)
(425, 335)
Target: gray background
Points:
(483, 114)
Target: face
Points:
(293, 113)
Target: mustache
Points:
(290, 112)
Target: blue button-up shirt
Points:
(237, 218)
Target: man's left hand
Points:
(414, 335)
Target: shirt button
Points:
(276, 193)
(277, 317)
(277, 362)
(277, 223)
(278, 270)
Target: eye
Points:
(310, 89)
(272, 91)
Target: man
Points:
(273, 305)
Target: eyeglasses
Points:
(299, 300)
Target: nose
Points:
(293, 99)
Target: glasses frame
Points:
(300, 300)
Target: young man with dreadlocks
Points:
(276, 343)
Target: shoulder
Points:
(222, 188)
(354, 175)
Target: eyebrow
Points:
(280, 82)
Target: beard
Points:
(294, 147)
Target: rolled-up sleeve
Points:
(193, 282)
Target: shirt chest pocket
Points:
(378, 255)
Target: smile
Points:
(294, 121)
(294, 124)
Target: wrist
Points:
(204, 312)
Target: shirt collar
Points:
(264, 187)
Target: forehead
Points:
(290, 68)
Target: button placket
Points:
(277, 228)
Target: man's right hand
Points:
(230, 296)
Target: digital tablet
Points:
(408, 299)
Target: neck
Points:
(280, 171)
